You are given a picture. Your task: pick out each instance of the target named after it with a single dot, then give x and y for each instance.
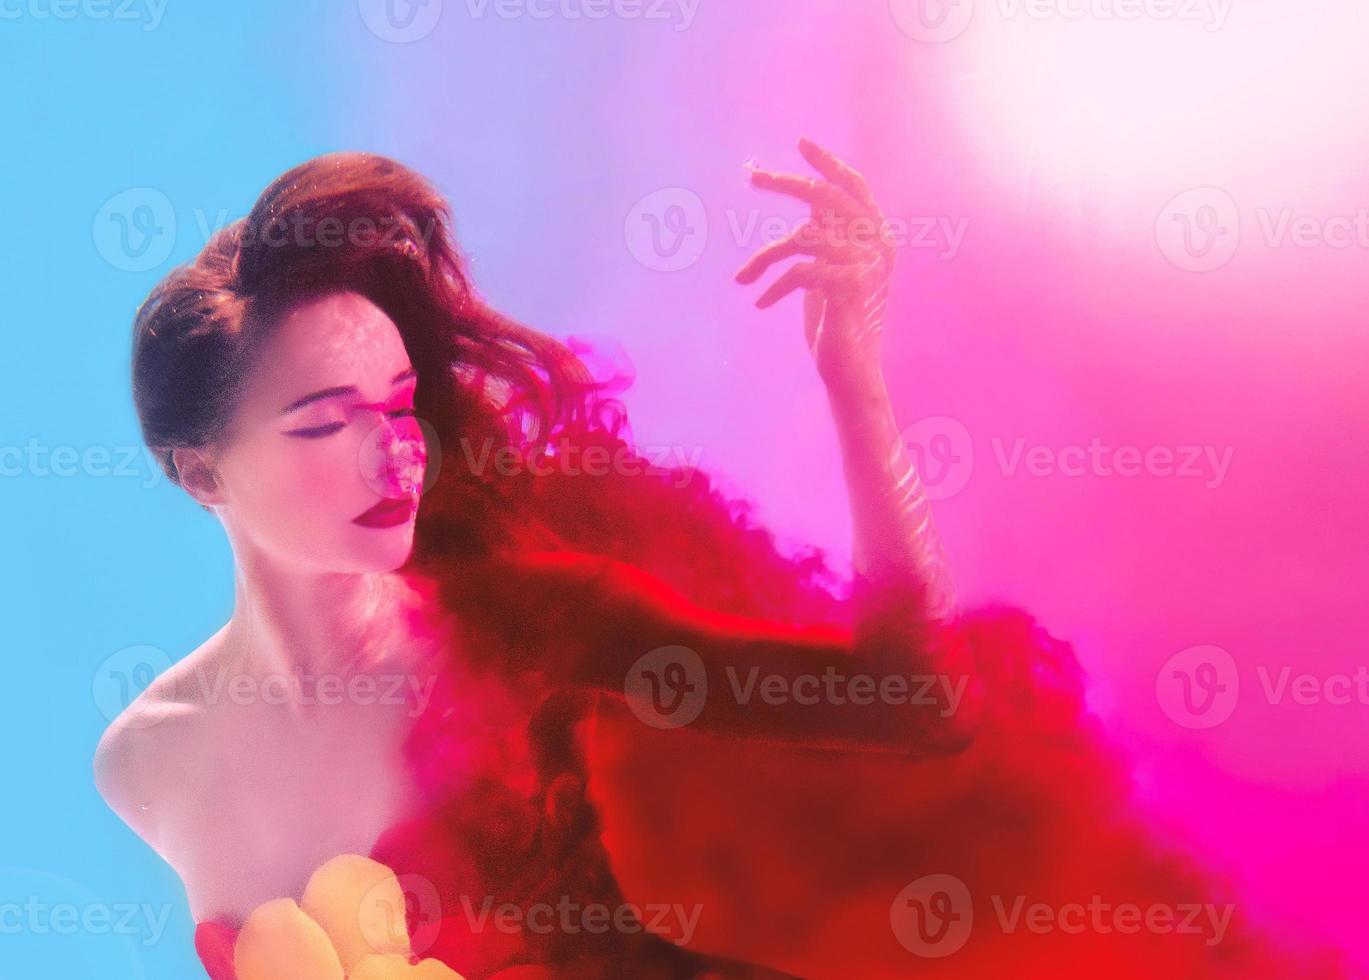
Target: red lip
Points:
(388, 513)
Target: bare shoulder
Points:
(137, 747)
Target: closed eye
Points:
(317, 431)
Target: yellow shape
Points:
(279, 940)
(377, 967)
(360, 905)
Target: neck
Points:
(287, 621)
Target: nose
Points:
(406, 457)
(395, 458)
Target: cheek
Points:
(279, 479)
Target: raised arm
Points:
(903, 590)
(903, 587)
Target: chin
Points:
(389, 550)
(361, 551)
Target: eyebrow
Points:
(335, 392)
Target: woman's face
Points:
(323, 462)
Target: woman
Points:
(432, 612)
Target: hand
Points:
(846, 286)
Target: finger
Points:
(838, 172)
(807, 240)
(807, 275)
(816, 192)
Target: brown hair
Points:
(366, 223)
